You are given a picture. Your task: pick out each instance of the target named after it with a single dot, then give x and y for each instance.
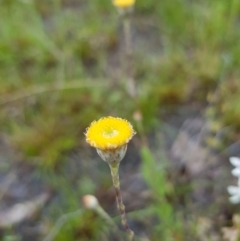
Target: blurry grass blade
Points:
(40, 89)
(153, 175)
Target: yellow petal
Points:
(109, 133)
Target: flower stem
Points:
(131, 84)
(115, 177)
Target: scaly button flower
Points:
(123, 3)
(110, 136)
(234, 191)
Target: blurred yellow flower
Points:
(123, 3)
(109, 133)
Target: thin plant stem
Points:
(115, 178)
(101, 212)
(131, 84)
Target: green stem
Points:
(131, 85)
(115, 177)
(101, 212)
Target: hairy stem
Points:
(115, 177)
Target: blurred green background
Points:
(63, 64)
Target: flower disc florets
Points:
(109, 133)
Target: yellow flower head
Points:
(123, 3)
(109, 133)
